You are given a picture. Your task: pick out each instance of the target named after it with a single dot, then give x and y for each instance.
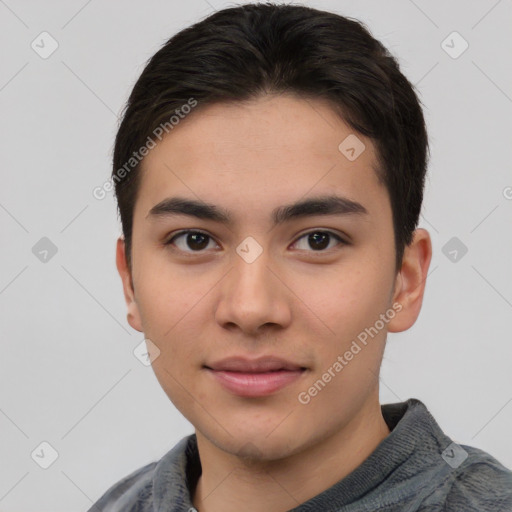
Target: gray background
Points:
(68, 375)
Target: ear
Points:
(133, 314)
(411, 280)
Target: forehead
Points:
(261, 154)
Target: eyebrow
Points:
(321, 205)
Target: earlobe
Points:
(133, 314)
(411, 281)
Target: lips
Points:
(261, 365)
(256, 377)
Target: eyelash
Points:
(170, 242)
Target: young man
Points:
(269, 172)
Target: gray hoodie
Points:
(415, 468)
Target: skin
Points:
(307, 306)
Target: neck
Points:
(229, 484)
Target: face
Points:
(291, 284)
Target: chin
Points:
(256, 444)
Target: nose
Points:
(253, 297)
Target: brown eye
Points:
(190, 241)
(319, 240)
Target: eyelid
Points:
(169, 240)
(341, 238)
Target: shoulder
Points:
(155, 485)
(481, 484)
(131, 494)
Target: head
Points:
(238, 119)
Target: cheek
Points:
(349, 298)
(171, 303)
(355, 300)
(166, 295)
